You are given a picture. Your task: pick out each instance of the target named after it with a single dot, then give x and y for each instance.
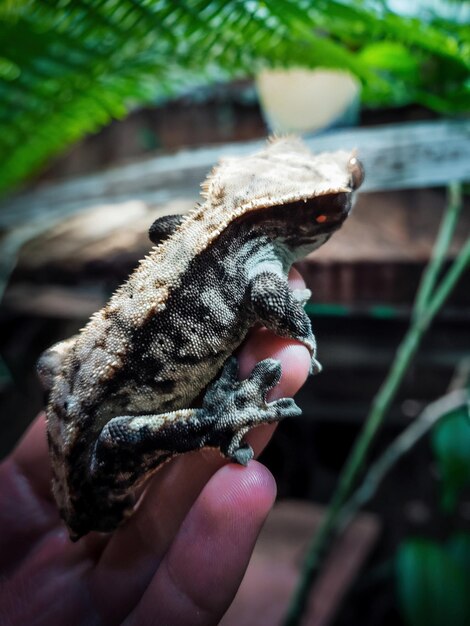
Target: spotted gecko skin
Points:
(124, 395)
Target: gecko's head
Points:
(306, 223)
(287, 191)
(293, 194)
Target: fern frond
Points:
(69, 67)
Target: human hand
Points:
(178, 560)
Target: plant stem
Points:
(400, 446)
(441, 293)
(383, 400)
(441, 246)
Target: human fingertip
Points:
(253, 485)
(296, 280)
(293, 356)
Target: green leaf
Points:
(432, 588)
(451, 445)
(391, 56)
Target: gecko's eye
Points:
(356, 170)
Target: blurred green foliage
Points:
(69, 66)
(432, 581)
(451, 445)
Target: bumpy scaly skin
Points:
(123, 394)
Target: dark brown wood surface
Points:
(376, 257)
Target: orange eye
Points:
(321, 218)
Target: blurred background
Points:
(111, 114)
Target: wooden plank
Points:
(274, 568)
(411, 155)
(376, 258)
(384, 227)
(55, 302)
(101, 221)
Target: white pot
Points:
(301, 101)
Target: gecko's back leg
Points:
(131, 447)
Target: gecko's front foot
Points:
(241, 405)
